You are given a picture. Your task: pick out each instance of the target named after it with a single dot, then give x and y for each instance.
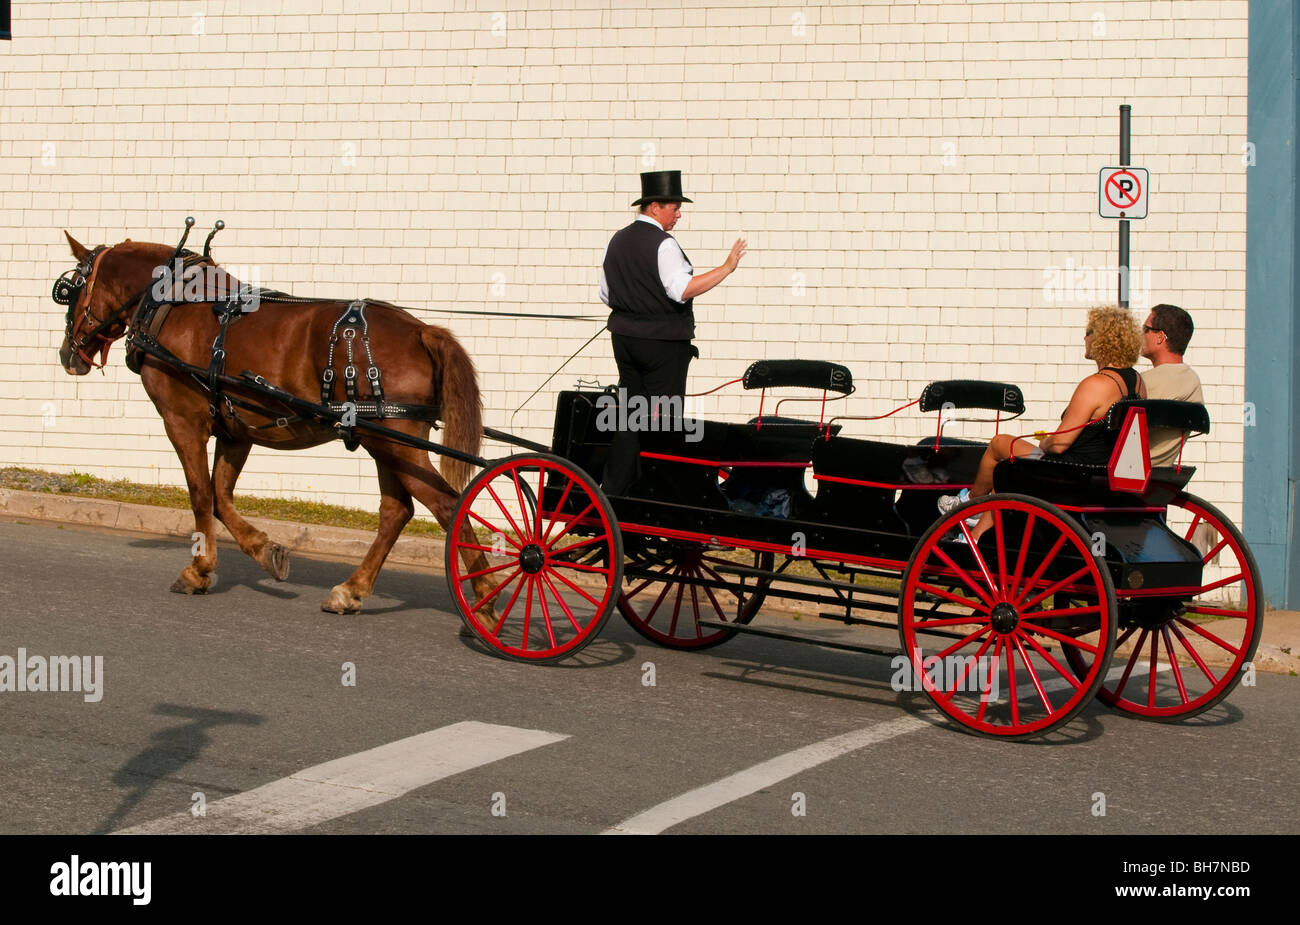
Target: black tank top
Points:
(1092, 446)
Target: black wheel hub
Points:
(531, 558)
(1004, 618)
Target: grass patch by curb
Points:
(82, 485)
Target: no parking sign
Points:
(1122, 192)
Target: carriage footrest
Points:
(790, 637)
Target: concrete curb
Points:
(1279, 648)
(336, 542)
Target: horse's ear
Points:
(78, 250)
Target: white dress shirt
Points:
(675, 270)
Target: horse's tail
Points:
(459, 399)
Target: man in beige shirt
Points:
(1165, 335)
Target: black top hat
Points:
(661, 186)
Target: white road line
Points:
(705, 799)
(743, 783)
(346, 785)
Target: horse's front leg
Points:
(191, 445)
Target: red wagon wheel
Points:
(549, 557)
(690, 583)
(985, 627)
(1189, 653)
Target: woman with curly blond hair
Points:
(1113, 341)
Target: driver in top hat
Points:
(649, 286)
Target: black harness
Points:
(168, 290)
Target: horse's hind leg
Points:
(395, 510)
(228, 462)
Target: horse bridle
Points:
(68, 289)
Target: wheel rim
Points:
(690, 583)
(1182, 664)
(984, 627)
(552, 558)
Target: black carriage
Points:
(1010, 636)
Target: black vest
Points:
(639, 307)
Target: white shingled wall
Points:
(907, 174)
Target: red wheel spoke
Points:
(495, 531)
(1014, 590)
(956, 599)
(1047, 656)
(573, 587)
(695, 609)
(722, 614)
(528, 536)
(1173, 665)
(497, 590)
(1221, 582)
(1060, 612)
(489, 571)
(677, 609)
(560, 600)
(1002, 549)
(558, 508)
(1210, 636)
(1012, 691)
(509, 605)
(546, 611)
(1218, 612)
(965, 641)
(1196, 522)
(573, 522)
(1053, 589)
(541, 484)
(966, 579)
(1205, 559)
(1042, 566)
(1151, 675)
(959, 681)
(1033, 675)
(659, 600)
(479, 548)
(1132, 660)
(979, 560)
(1061, 637)
(641, 587)
(523, 535)
(1196, 656)
(985, 692)
(923, 625)
(556, 550)
(528, 612)
(578, 566)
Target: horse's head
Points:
(100, 292)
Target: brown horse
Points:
(287, 344)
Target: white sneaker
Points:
(948, 502)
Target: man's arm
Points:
(706, 281)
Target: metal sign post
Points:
(1125, 111)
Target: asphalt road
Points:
(227, 693)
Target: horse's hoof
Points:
(275, 559)
(190, 582)
(341, 601)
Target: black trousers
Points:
(649, 370)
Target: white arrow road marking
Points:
(741, 784)
(347, 785)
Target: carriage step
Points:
(790, 637)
